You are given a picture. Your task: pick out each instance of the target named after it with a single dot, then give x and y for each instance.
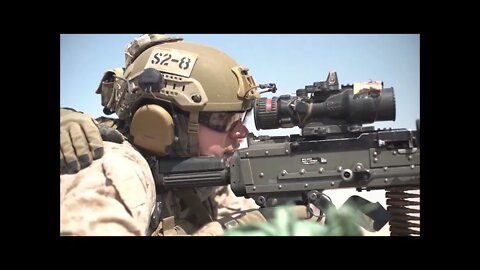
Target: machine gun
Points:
(334, 150)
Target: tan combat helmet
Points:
(194, 78)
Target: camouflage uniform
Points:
(122, 180)
(116, 196)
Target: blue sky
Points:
(291, 61)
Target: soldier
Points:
(172, 98)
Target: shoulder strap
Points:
(193, 202)
(167, 227)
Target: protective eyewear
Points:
(221, 121)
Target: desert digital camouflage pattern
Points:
(228, 205)
(116, 195)
(220, 202)
(113, 196)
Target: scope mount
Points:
(316, 129)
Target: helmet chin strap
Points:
(193, 134)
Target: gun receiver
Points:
(272, 168)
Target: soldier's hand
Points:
(284, 223)
(80, 141)
(262, 215)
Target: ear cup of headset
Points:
(152, 129)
